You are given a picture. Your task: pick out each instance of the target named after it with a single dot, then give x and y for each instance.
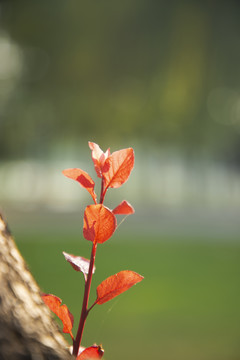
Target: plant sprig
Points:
(99, 224)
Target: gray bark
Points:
(27, 329)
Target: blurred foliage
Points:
(121, 70)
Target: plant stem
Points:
(85, 310)
(102, 192)
(84, 313)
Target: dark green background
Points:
(122, 71)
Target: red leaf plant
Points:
(99, 224)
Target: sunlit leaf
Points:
(54, 304)
(98, 157)
(84, 180)
(91, 353)
(124, 208)
(78, 263)
(116, 284)
(99, 223)
(118, 167)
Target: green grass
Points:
(187, 307)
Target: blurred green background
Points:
(163, 78)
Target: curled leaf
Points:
(91, 353)
(99, 223)
(83, 178)
(116, 284)
(98, 157)
(54, 304)
(117, 168)
(124, 208)
(78, 263)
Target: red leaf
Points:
(91, 353)
(78, 263)
(54, 304)
(84, 180)
(124, 208)
(116, 284)
(118, 167)
(98, 157)
(99, 223)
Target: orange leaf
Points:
(99, 223)
(91, 353)
(118, 167)
(98, 157)
(54, 304)
(84, 180)
(124, 208)
(116, 284)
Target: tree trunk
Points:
(27, 329)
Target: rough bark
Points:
(27, 329)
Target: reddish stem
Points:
(103, 192)
(85, 311)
